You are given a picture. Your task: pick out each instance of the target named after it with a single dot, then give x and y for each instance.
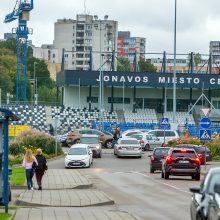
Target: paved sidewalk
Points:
(64, 179)
(210, 164)
(69, 214)
(64, 198)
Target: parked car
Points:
(202, 151)
(181, 162)
(164, 135)
(147, 141)
(130, 132)
(75, 135)
(156, 158)
(79, 155)
(127, 147)
(204, 203)
(94, 144)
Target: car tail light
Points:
(141, 141)
(169, 159)
(197, 160)
(152, 157)
(183, 150)
(200, 155)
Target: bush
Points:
(34, 139)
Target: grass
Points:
(18, 177)
(4, 216)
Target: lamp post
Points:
(100, 27)
(174, 68)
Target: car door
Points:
(153, 141)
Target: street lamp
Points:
(100, 27)
(174, 68)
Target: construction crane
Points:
(21, 12)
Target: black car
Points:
(204, 199)
(203, 152)
(156, 158)
(181, 162)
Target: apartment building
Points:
(128, 46)
(79, 37)
(214, 49)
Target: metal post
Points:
(56, 135)
(79, 94)
(123, 95)
(0, 97)
(34, 79)
(174, 69)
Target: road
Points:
(135, 190)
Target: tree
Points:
(197, 59)
(146, 66)
(123, 64)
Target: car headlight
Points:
(85, 158)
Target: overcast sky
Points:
(198, 21)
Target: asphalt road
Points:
(134, 189)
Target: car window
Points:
(126, 142)
(130, 133)
(215, 178)
(153, 132)
(89, 140)
(161, 151)
(137, 136)
(149, 137)
(170, 133)
(77, 151)
(183, 153)
(96, 132)
(85, 132)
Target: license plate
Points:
(76, 163)
(207, 155)
(124, 148)
(183, 161)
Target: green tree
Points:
(123, 64)
(146, 66)
(197, 59)
(46, 94)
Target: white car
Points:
(130, 132)
(127, 147)
(79, 155)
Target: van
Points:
(168, 135)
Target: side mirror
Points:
(195, 190)
(217, 188)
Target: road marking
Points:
(166, 184)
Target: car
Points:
(164, 135)
(156, 158)
(128, 147)
(79, 155)
(204, 200)
(130, 132)
(200, 150)
(74, 136)
(147, 141)
(181, 162)
(94, 144)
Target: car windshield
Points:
(161, 151)
(77, 151)
(183, 153)
(125, 142)
(215, 178)
(89, 140)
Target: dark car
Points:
(204, 197)
(181, 162)
(156, 158)
(203, 152)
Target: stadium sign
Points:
(142, 79)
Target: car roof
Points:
(128, 138)
(178, 148)
(79, 145)
(186, 145)
(89, 135)
(214, 170)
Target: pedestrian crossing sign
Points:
(205, 134)
(164, 121)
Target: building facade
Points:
(214, 49)
(79, 37)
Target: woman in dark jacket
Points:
(40, 169)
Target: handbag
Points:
(34, 165)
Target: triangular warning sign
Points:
(205, 111)
(205, 135)
(164, 121)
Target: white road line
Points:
(166, 184)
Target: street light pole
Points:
(174, 68)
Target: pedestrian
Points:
(41, 167)
(29, 162)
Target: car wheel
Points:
(114, 152)
(166, 175)
(108, 144)
(147, 147)
(151, 170)
(162, 174)
(100, 155)
(197, 177)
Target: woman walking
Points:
(28, 161)
(40, 169)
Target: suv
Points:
(181, 162)
(94, 144)
(105, 137)
(168, 135)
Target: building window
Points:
(119, 100)
(53, 55)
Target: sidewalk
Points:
(210, 164)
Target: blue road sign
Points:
(164, 121)
(205, 134)
(205, 122)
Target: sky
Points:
(198, 21)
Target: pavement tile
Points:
(69, 214)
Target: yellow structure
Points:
(15, 130)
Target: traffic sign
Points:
(164, 121)
(206, 111)
(205, 122)
(205, 134)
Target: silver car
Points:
(94, 143)
(127, 147)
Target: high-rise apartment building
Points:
(128, 46)
(79, 37)
(214, 49)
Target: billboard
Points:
(15, 130)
